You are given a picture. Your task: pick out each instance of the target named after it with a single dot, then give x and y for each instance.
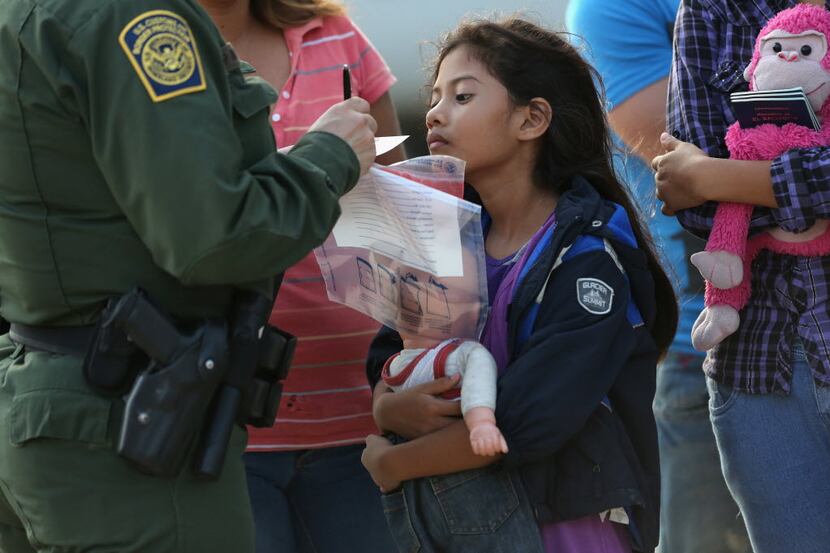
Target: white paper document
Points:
(410, 223)
(385, 144)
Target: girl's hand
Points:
(676, 174)
(373, 459)
(417, 411)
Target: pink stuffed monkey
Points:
(791, 50)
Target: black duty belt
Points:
(65, 340)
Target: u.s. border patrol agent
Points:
(132, 153)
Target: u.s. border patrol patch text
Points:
(160, 46)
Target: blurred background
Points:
(404, 30)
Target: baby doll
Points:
(791, 51)
(424, 360)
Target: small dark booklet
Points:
(777, 107)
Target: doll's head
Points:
(791, 50)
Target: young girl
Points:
(574, 325)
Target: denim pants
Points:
(475, 511)
(775, 453)
(697, 513)
(315, 500)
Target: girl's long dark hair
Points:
(532, 62)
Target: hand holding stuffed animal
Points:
(791, 51)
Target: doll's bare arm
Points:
(478, 396)
(478, 370)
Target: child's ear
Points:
(537, 118)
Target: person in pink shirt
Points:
(308, 489)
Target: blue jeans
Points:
(475, 511)
(775, 453)
(697, 513)
(315, 500)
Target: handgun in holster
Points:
(213, 368)
(166, 404)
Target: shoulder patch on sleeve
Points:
(162, 50)
(594, 295)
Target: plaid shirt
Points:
(714, 40)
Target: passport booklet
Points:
(776, 107)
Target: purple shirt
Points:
(497, 269)
(714, 40)
(586, 535)
(495, 332)
(506, 271)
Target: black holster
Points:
(165, 408)
(195, 381)
(167, 401)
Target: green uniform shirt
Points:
(134, 152)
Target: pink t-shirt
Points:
(326, 400)
(318, 51)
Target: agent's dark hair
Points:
(532, 62)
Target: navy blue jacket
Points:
(575, 401)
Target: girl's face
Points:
(472, 117)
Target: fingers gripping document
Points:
(409, 254)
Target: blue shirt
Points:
(630, 44)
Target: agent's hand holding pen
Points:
(350, 120)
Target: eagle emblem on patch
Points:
(162, 50)
(594, 295)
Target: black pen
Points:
(347, 82)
